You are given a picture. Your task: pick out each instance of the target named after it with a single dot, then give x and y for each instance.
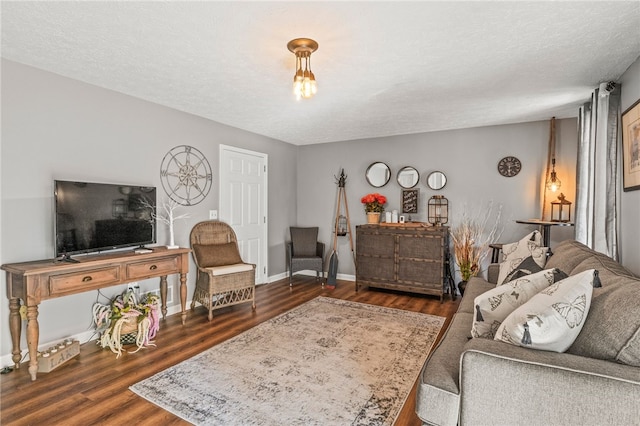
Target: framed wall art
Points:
(631, 147)
(410, 200)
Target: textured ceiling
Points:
(383, 68)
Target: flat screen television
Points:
(91, 217)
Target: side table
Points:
(545, 228)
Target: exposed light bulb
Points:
(553, 183)
(304, 82)
(298, 80)
(314, 85)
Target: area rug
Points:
(325, 362)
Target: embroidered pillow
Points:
(514, 254)
(552, 319)
(493, 306)
(526, 267)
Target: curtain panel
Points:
(597, 172)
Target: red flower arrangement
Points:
(374, 202)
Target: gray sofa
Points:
(475, 381)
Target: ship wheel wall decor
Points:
(186, 175)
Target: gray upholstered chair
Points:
(223, 278)
(305, 252)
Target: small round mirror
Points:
(408, 177)
(378, 174)
(436, 180)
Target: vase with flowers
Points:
(373, 206)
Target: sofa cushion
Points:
(553, 318)
(568, 254)
(544, 388)
(493, 306)
(438, 393)
(475, 287)
(612, 329)
(212, 255)
(515, 253)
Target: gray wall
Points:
(55, 127)
(630, 201)
(468, 157)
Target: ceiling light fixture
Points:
(304, 82)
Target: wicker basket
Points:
(129, 332)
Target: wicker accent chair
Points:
(305, 252)
(223, 278)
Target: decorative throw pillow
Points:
(552, 319)
(493, 306)
(210, 255)
(515, 253)
(527, 267)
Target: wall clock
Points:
(186, 175)
(509, 166)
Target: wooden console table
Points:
(32, 282)
(409, 257)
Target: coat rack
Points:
(341, 227)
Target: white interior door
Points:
(243, 203)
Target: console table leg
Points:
(15, 328)
(163, 295)
(183, 297)
(33, 333)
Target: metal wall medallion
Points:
(186, 175)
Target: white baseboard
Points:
(309, 272)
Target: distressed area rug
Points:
(325, 362)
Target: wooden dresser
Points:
(410, 257)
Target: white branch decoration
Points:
(165, 213)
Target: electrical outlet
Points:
(169, 294)
(23, 312)
(134, 286)
(213, 214)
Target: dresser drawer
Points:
(94, 278)
(153, 268)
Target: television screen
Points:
(93, 217)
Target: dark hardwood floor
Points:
(92, 388)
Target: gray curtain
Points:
(597, 180)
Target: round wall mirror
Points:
(408, 177)
(378, 174)
(436, 180)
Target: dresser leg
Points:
(33, 334)
(15, 328)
